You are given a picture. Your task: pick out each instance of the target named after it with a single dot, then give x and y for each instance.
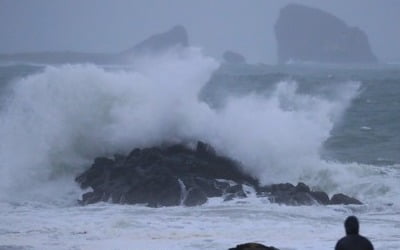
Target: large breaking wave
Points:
(55, 122)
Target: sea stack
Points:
(312, 35)
(175, 37)
(233, 57)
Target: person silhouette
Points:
(353, 240)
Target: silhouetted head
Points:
(351, 225)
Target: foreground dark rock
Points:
(252, 246)
(162, 176)
(176, 175)
(309, 34)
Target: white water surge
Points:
(213, 226)
(55, 122)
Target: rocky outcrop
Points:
(162, 176)
(309, 34)
(177, 175)
(343, 199)
(252, 246)
(301, 194)
(233, 57)
(175, 37)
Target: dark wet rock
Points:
(301, 187)
(155, 190)
(205, 150)
(252, 246)
(212, 188)
(310, 34)
(344, 199)
(94, 197)
(233, 57)
(293, 199)
(234, 192)
(194, 197)
(234, 189)
(288, 194)
(320, 197)
(175, 175)
(162, 176)
(229, 197)
(281, 187)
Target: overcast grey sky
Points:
(245, 26)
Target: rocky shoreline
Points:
(177, 175)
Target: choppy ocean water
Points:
(334, 128)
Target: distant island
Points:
(303, 34)
(233, 57)
(312, 35)
(175, 37)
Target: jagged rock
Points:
(320, 197)
(301, 187)
(343, 199)
(288, 194)
(174, 175)
(233, 57)
(252, 246)
(294, 199)
(233, 192)
(301, 194)
(276, 187)
(155, 191)
(235, 189)
(195, 196)
(212, 188)
(309, 34)
(154, 176)
(177, 36)
(229, 197)
(204, 149)
(92, 197)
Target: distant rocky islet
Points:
(230, 56)
(308, 34)
(303, 34)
